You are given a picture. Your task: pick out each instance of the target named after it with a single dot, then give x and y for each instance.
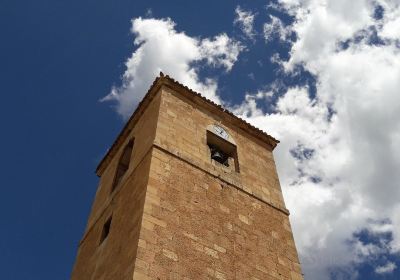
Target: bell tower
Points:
(187, 191)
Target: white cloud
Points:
(161, 48)
(338, 158)
(245, 19)
(276, 29)
(391, 20)
(249, 107)
(387, 268)
(220, 51)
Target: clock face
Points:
(221, 132)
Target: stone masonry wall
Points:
(115, 257)
(203, 221)
(178, 215)
(195, 226)
(143, 132)
(182, 128)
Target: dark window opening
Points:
(218, 155)
(222, 151)
(123, 164)
(106, 230)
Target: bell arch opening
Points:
(222, 151)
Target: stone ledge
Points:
(223, 177)
(226, 178)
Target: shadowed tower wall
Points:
(180, 212)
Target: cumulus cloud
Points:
(245, 19)
(161, 48)
(338, 157)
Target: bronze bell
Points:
(217, 156)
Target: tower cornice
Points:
(167, 81)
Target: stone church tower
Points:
(187, 191)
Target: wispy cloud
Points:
(276, 29)
(245, 19)
(387, 268)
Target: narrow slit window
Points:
(106, 230)
(123, 164)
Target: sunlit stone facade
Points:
(187, 191)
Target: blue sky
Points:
(321, 76)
